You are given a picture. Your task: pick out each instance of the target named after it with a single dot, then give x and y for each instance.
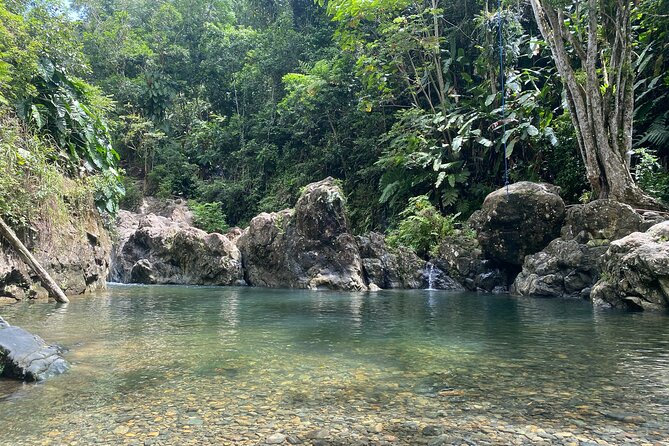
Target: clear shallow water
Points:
(194, 365)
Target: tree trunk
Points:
(50, 285)
(601, 106)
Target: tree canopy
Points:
(237, 105)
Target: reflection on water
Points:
(147, 359)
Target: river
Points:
(208, 365)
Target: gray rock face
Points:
(635, 271)
(154, 249)
(570, 266)
(26, 356)
(176, 210)
(387, 267)
(564, 269)
(460, 257)
(511, 226)
(308, 247)
(75, 252)
(600, 220)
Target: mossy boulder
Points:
(310, 246)
(523, 220)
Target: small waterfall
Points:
(430, 276)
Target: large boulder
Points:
(155, 249)
(523, 220)
(635, 271)
(603, 220)
(388, 267)
(570, 265)
(74, 249)
(26, 356)
(460, 257)
(308, 247)
(565, 268)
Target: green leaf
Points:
(440, 179)
(485, 142)
(37, 116)
(509, 148)
(457, 143)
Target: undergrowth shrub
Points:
(209, 216)
(421, 227)
(32, 186)
(650, 175)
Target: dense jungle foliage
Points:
(236, 105)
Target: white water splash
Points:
(430, 277)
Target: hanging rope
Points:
(502, 86)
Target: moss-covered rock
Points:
(308, 247)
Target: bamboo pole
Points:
(50, 285)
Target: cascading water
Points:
(430, 276)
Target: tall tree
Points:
(592, 44)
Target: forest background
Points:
(236, 105)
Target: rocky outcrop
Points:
(635, 271)
(571, 265)
(521, 221)
(26, 356)
(460, 257)
(154, 249)
(308, 247)
(388, 267)
(565, 268)
(601, 220)
(74, 250)
(176, 210)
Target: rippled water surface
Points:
(193, 365)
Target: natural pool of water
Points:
(207, 365)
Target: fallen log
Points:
(48, 283)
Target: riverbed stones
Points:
(155, 249)
(27, 357)
(276, 438)
(519, 221)
(310, 246)
(635, 271)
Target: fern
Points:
(657, 133)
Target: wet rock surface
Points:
(571, 265)
(460, 257)
(565, 268)
(517, 222)
(635, 271)
(310, 246)
(388, 267)
(153, 249)
(25, 356)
